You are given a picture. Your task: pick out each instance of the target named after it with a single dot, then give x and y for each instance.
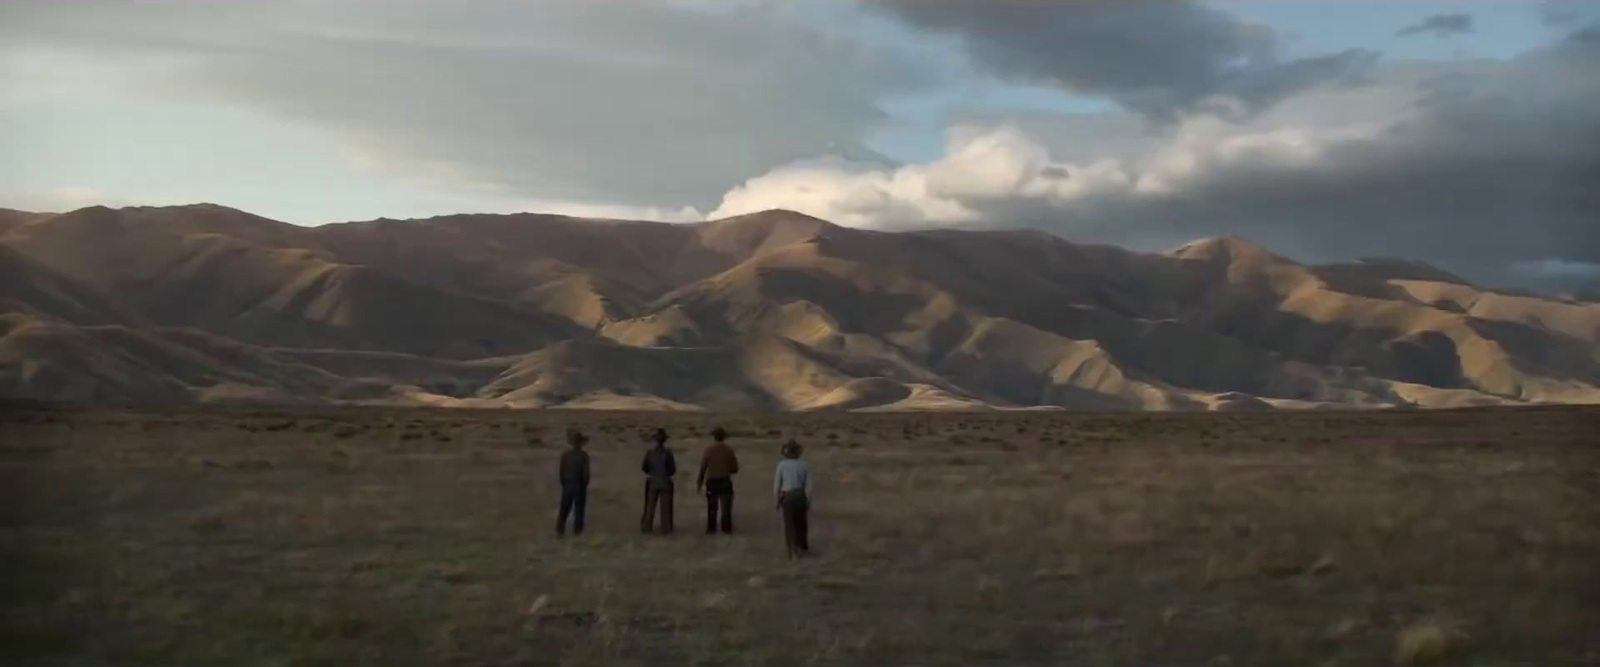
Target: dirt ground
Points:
(388, 537)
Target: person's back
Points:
(575, 468)
(719, 463)
(791, 484)
(717, 467)
(573, 473)
(659, 467)
(794, 475)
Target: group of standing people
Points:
(791, 487)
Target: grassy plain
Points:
(211, 536)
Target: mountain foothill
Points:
(773, 311)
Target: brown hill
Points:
(269, 283)
(770, 311)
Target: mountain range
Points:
(771, 311)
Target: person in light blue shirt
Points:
(792, 486)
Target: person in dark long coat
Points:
(659, 468)
(574, 477)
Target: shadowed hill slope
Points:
(769, 311)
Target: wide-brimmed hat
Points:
(718, 434)
(791, 448)
(660, 435)
(576, 437)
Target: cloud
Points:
(1481, 171)
(76, 197)
(69, 198)
(1001, 177)
(1440, 25)
(1559, 276)
(589, 100)
(611, 108)
(1159, 58)
(1565, 13)
(615, 211)
(1559, 268)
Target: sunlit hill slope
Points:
(772, 311)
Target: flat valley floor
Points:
(213, 536)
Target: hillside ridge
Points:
(770, 311)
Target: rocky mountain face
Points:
(771, 311)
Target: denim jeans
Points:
(573, 500)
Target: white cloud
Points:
(1204, 147)
(1002, 166)
(991, 163)
(616, 211)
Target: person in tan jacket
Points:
(717, 467)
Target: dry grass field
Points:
(415, 537)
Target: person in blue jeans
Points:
(717, 467)
(574, 484)
(792, 485)
(659, 468)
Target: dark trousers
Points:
(657, 497)
(573, 500)
(719, 505)
(796, 526)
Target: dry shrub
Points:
(1425, 642)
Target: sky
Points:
(1465, 133)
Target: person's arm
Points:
(644, 467)
(700, 479)
(777, 484)
(672, 464)
(733, 462)
(809, 487)
(583, 468)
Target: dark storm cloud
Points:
(1158, 58)
(1440, 25)
(1494, 177)
(1486, 168)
